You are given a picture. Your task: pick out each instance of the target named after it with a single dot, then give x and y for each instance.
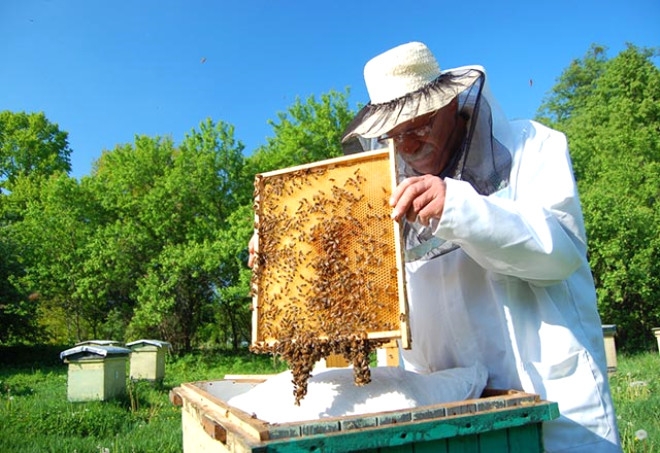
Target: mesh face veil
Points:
(483, 158)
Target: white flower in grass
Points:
(641, 435)
(639, 384)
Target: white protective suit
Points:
(517, 294)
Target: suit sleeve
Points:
(533, 229)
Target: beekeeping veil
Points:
(406, 82)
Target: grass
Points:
(636, 392)
(35, 415)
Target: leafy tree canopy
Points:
(30, 144)
(309, 131)
(610, 112)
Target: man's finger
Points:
(404, 202)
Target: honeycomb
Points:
(327, 276)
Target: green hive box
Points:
(148, 359)
(499, 421)
(96, 372)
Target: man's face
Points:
(426, 142)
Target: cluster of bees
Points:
(325, 276)
(303, 350)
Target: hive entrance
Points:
(327, 277)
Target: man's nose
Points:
(407, 146)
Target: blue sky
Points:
(105, 71)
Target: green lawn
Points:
(636, 391)
(35, 415)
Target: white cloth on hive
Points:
(333, 393)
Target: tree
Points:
(18, 313)
(30, 147)
(610, 111)
(307, 132)
(30, 144)
(53, 232)
(233, 299)
(185, 212)
(128, 238)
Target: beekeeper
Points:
(495, 244)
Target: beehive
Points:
(328, 272)
(95, 372)
(609, 332)
(498, 421)
(148, 359)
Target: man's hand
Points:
(419, 198)
(253, 248)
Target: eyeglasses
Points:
(415, 133)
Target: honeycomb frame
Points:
(329, 261)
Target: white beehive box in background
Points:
(95, 372)
(148, 359)
(609, 332)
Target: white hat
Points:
(403, 83)
(400, 71)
